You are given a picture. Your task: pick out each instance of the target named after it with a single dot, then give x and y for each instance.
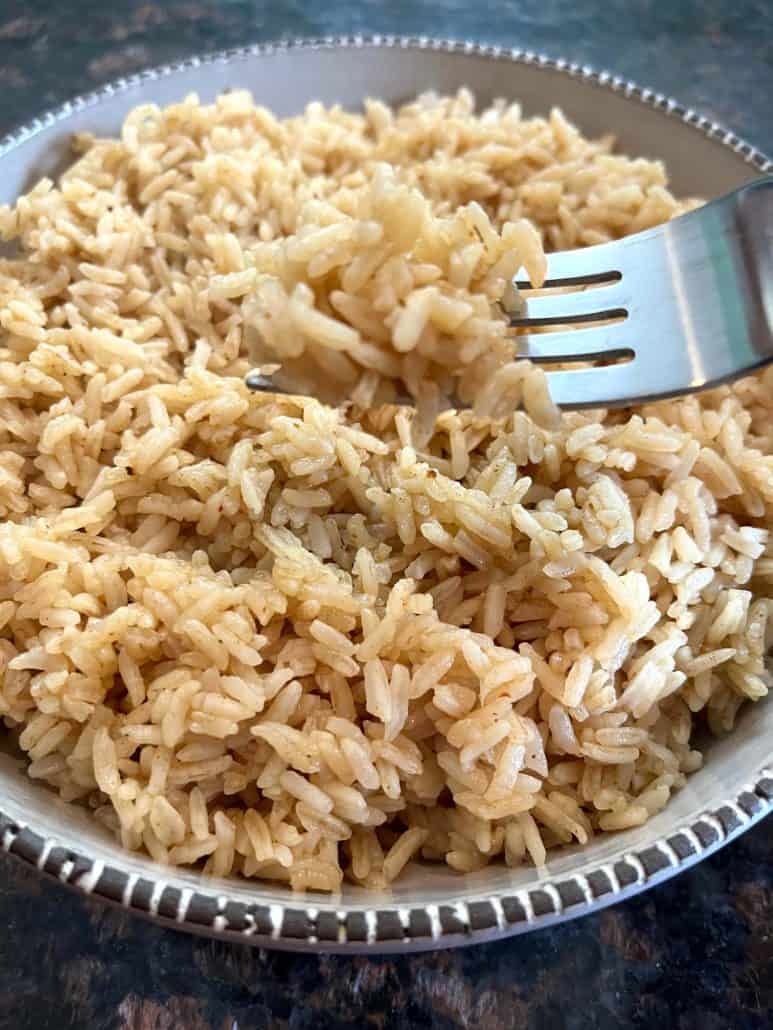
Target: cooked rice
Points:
(303, 641)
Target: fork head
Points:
(681, 307)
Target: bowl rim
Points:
(300, 925)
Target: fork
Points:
(683, 307)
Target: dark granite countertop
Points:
(695, 952)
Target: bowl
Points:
(431, 906)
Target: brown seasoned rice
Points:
(306, 639)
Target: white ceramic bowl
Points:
(431, 907)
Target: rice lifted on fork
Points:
(299, 639)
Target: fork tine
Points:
(575, 267)
(609, 386)
(609, 341)
(593, 305)
(260, 383)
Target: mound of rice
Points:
(303, 639)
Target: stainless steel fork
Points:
(684, 306)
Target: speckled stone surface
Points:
(694, 953)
